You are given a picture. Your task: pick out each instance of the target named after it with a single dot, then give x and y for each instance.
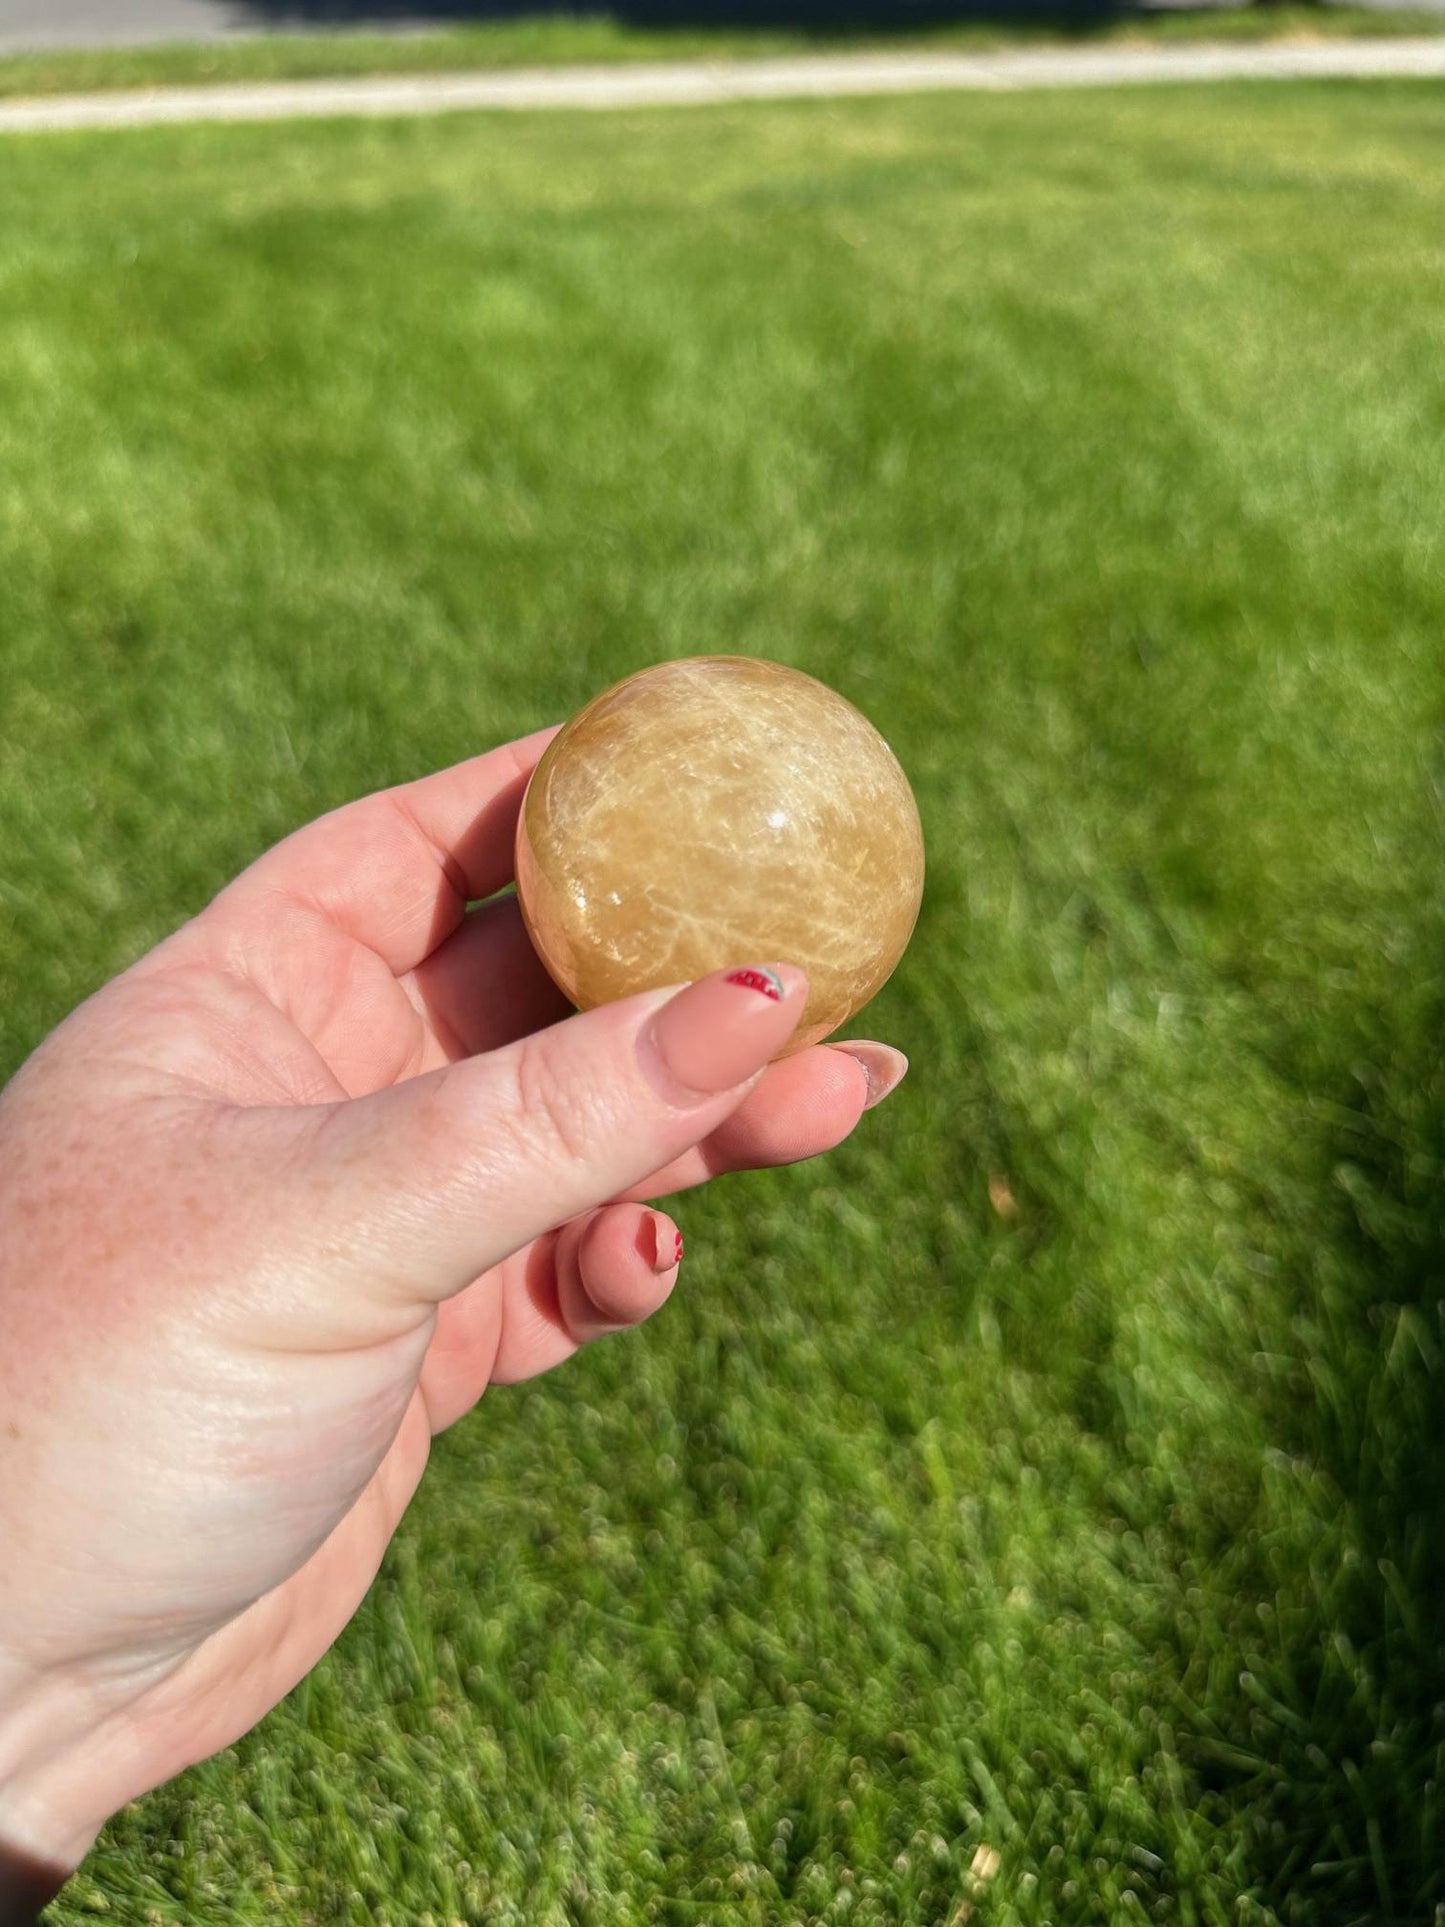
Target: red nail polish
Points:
(762, 980)
(666, 1254)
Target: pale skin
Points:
(276, 1206)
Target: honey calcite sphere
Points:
(720, 810)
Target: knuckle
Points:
(559, 1106)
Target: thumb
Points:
(419, 1188)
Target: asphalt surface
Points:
(28, 25)
(679, 84)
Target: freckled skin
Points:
(276, 1206)
(717, 808)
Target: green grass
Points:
(599, 35)
(1096, 446)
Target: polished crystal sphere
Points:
(720, 810)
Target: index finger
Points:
(396, 870)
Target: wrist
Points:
(40, 1849)
(27, 1884)
(48, 1756)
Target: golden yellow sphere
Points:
(720, 810)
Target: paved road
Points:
(680, 84)
(30, 24)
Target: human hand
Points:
(276, 1206)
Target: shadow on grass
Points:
(1336, 1741)
(830, 17)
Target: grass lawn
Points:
(1055, 1472)
(601, 36)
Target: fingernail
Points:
(884, 1067)
(722, 1029)
(666, 1245)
